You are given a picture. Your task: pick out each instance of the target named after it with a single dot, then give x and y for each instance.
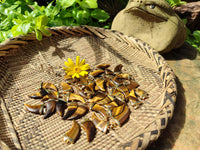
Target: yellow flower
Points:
(76, 70)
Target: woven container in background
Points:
(26, 62)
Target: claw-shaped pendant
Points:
(123, 116)
(72, 135)
(60, 107)
(80, 111)
(100, 124)
(71, 108)
(50, 106)
(89, 128)
(37, 109)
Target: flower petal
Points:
(67, 64)
(83, 73)
(76, 69)
(67, 69)
(85, 67)
(77, 60)
(82, 62)
(75, 75)
(70, 63)
(70, 73)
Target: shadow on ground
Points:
(186, 51)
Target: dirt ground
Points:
(183, 130)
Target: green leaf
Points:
(28, 1)
(65, 3)
(188, 31)
(52, 10)
(17, 30)
(100, 15)
(41, 21)
(10, 1)
(176, 1)
(184, 20)
(26, 13)
(56, 10)
(55, 22)
(2, 37)
(4, 24)
(171, 2)
(182, 2)
(194, 45)
(37, 10)
(108, 26)
(82, 16)
(45, 31)
(68, 22)
(2, 1)
(17, 21)
(19, 10)
(38, 34)
(67, 15)
(23, 16)
(196, 35)
(89, 4)
(48, 10)
(25, 27)
(2, 9)
(8, 34)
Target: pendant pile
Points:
(103, 95)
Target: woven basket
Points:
(26, 62)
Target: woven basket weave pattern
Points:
(42, 61)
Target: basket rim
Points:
(143, 140)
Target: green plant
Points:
(24, 16)
(2, 1)
(194, 39)
(174, 3)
